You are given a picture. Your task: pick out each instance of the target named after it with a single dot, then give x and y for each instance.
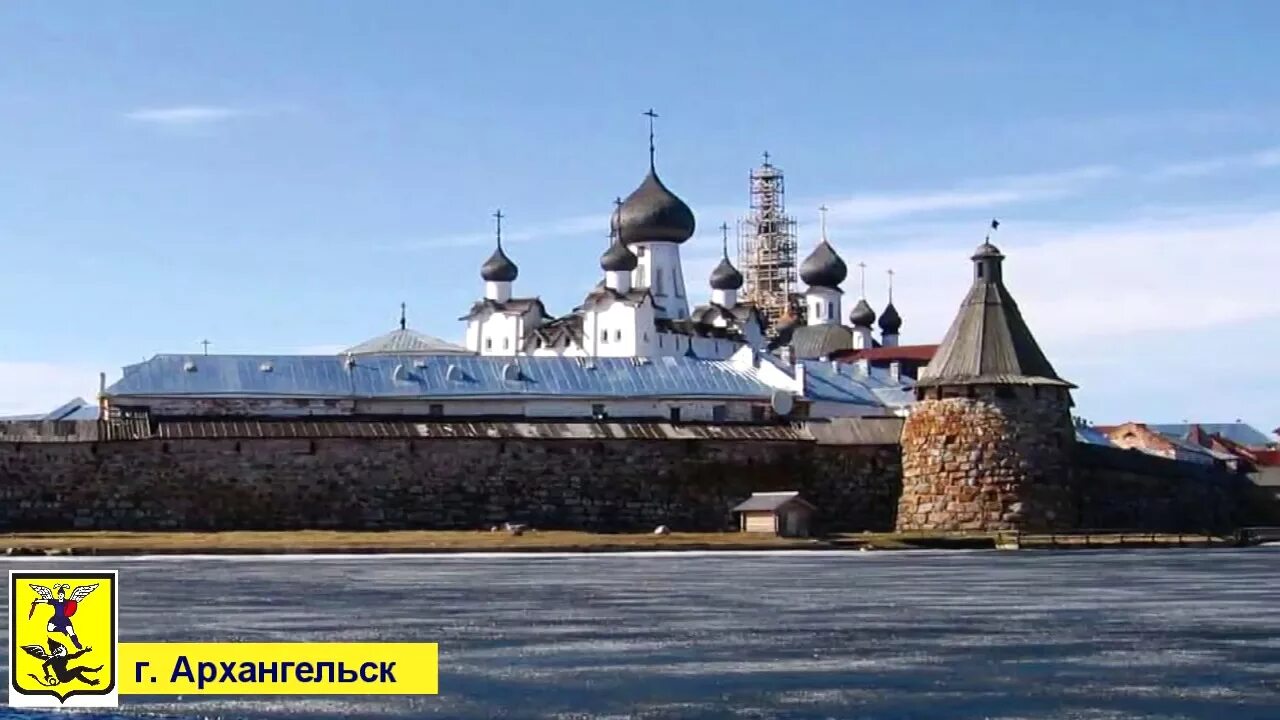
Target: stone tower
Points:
(987, 445)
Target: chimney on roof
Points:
(788, 356)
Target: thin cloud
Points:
(569, 227)
(988, 193)
(1078, 282)
(1258, 160)
(187, 115)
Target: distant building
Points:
(72, 411)
(907, 359)
(777, 513)
(1139, 436)
(1237, 432)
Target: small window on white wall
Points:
(488, 343)
(604, 336)
(817, 310)
(617, 335)
(831, 310)
(506, 343)
(646, 337)
(675, 283)
(657, 275)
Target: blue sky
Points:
(278, 177)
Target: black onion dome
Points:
(862, 315)
(890, 321)
(725, 276)
(652, 212)
(823, 267)
(618, 258)
(499, 268)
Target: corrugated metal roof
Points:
(316, 429)
(770, 501)
(403, 341)
(1238, 432)
(989, 342)
(403, 376)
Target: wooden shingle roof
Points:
(989, 343)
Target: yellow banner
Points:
(279, 669)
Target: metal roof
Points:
(444, 376)
(856, 431)
(1238, 432)
(824, 267)
(989, 342)
(771, 501)
(406, 342)
(889, 353)
(72, 410)
(842, 383)
(1093, 436)
(817, 341)
(651, 213)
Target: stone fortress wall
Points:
(568, 476)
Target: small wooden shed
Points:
(779, 513)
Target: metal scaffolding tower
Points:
(767, 248)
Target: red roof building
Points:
(910, 358)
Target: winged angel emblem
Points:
(63, 608)
(55, 667)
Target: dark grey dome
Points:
(823, 267)
(862, 315)
(618, 258)
(890, 321)
(499, 268)
(652, 212)
(987, 250)
(725, 276)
